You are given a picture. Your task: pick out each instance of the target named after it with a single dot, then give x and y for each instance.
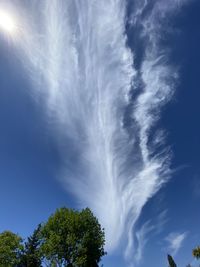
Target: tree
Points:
(10, 249)
(196, 252)
(32, 257)
(171, 261)
(73, 238)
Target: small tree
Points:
(32, 257)
(10, 249)
(73, 238)
(196, 252)
(171, 261)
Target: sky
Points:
(99, 108)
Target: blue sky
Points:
(84, 94)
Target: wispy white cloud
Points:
(145, 232)
(142, 237)
(159, 79)
(175, 241)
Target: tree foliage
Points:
(32, 255)
(73, 238)
(10, 249)
(68, 238)
(196, 252)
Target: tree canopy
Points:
(10, 249)
(73, 238)
(68, 238)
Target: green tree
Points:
(73, 238)
(10, 249)
(171, 261)
(32, 256)
(196, 252)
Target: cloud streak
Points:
(175, 241)
(145, 232)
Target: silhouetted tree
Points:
(171, 261)
(32, 256)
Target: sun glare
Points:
(7, 22)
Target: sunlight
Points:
(7, 23)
